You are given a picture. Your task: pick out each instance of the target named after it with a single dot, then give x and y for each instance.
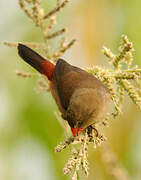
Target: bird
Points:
(82, 99)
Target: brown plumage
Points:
(82, 99)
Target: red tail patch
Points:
(48, 68)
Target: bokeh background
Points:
(29, 130)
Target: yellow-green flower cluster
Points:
(79, 156)
(46, 22)
(122, 77)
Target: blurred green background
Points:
(29, 130)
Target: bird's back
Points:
(67, 78)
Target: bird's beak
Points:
(76, 131)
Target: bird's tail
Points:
(35, 60)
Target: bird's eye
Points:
(80, 123)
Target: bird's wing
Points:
(67, 78)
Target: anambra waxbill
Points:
(82, 99)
